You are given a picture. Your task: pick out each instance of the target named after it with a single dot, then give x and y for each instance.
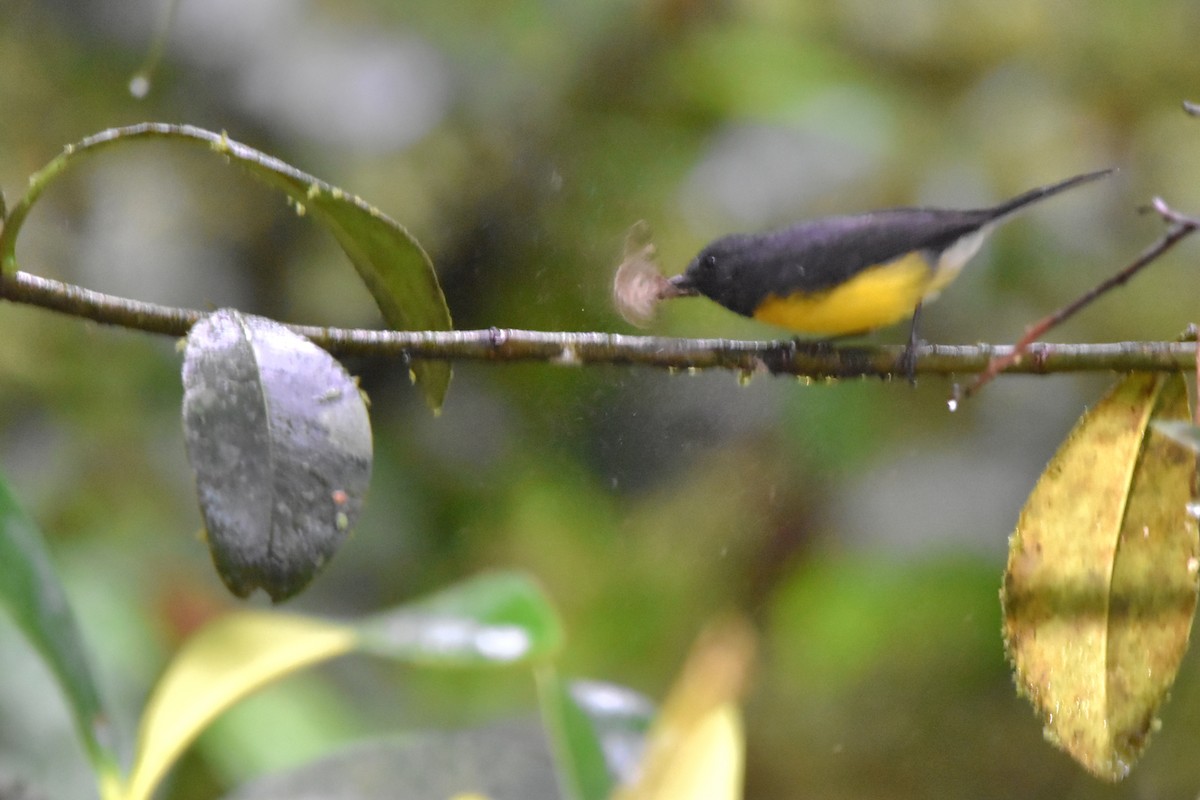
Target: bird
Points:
(845, 275)
(831, 276)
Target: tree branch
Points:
(1181, 226)
(745, 357)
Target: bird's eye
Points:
(709, 262)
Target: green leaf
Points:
(580, 755)
(33, 594)
(391, 263)
(492, 620)
(1101, 585)
(501, 618)
(280, 441)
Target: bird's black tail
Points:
(1041, 193)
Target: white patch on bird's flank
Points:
(952, 260)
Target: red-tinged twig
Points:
(1181, 227)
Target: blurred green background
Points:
(861, 525)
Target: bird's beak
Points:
(678, 286)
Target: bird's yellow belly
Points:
(873, 298)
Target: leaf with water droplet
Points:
(246, 650)
(599, 731)
(1100, 589)
(493, 619)
(279, 438)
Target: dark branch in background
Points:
(572, 349)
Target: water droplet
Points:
(1193, 509)
(744, 377)
(502, 643)
(139, 85)
(952, 404)
(568, 357)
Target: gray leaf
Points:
(278, 435)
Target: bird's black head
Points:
(717, 271)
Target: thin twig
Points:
(1181, 227)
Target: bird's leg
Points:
(908, 361)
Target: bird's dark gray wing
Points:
(817, 255)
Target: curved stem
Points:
(95, 143)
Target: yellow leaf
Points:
(1101, 585)
(220, 665)
(695, 750)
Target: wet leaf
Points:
(279, 438)
(620, 718)
(34, 596)
(394, 267)
(220, 665)
(696, 748)
(1101, 584)
(502, 618)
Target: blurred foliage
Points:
(860, 524)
